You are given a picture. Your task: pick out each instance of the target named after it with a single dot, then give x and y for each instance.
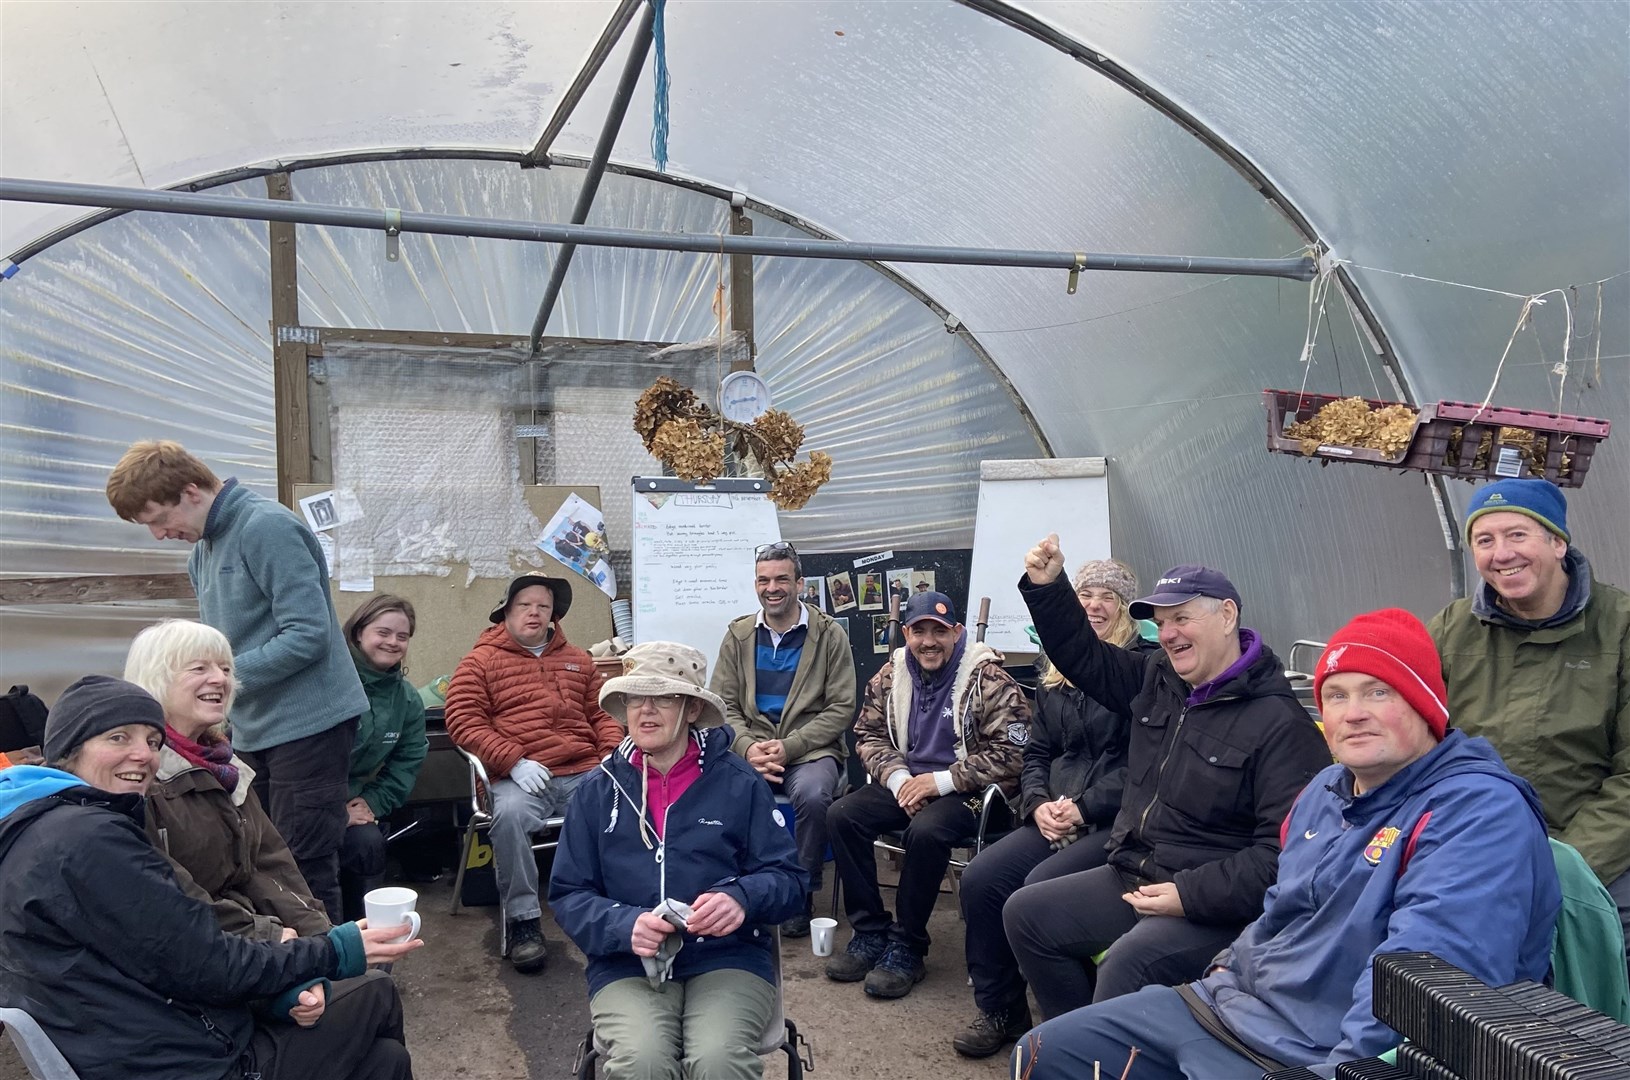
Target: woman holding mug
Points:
(201, 810)
(127, 974)
(390, 744)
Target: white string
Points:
(1529, 303)
(1362, 340)
(1474, 288)
(1318, 294)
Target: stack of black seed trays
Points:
(1461, 1029)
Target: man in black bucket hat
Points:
(527, 704)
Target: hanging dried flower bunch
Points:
(1351, 422)
(688, 437)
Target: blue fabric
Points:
(1171, 1043)
(776, 665)
(1480, 891)
(261, 581)
(284, 1003)
(931, 732)
(24, 783)
(350, 955)
(722, 835)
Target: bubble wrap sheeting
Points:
(438, 484)
(595, 443)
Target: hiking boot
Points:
(852, 964)
(991, 1031)
(798, 925)
(528, 951)
(896, 972)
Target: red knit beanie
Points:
(1391, 645)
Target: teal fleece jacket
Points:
(391, 743)
(261, 581)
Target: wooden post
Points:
(741, 284)
(290, 366)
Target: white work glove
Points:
(532, 777)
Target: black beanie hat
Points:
(93, 705)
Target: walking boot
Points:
(528, 951)
(991, 1031)
(852, 964)
(896, 972)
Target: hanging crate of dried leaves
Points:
(1450, 438)
(688, 437)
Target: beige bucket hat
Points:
(655, 668)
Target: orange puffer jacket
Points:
(505, 704)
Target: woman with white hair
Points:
(201, 811)
(673, 823)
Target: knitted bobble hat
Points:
(1391, 645)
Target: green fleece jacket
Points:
(820, 705)
(1555, 701)
(261, 581)
(391, 743)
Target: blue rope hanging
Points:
(659, 96)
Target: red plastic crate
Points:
(1457, 438)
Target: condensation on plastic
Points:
(425, 440)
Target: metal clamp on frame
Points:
(1075, 272)
(393, 235)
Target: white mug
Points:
(393, 907)
(820, 935)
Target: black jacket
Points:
(1077, 749)
(1206, 788)
(127, 974)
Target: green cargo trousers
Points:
(705, 1028)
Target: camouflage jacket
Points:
(992, 718)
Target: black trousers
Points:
(359, 1037)
(362, 866)
(856, 820)
(1022, 857)
(304, 785)
(1056, 927)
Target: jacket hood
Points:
(25, 783)
(1457, 755)
(25, 794)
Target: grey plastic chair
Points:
(780, 1034)
(40, 1055)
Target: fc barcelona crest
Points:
(1378, 845)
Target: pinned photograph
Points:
(900, 586)
(843, 624)
(576, 536)
(871, 592)
(922, 581)
(320, 511)
(841, 591)
(880, 633)
(815, 591)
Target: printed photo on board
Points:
(814, 592)
(900, 586)
(871, 592)
(880, 633)
(841, 591)
(922, 581)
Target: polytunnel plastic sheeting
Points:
(902, 406)
(154, 94)
(148, 326)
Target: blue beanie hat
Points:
(1539, 499)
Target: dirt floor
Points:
(471, 1017)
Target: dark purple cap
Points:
(929, 605)
(1181, 584)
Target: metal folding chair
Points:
(40, 1055)
(780, 1034)
(481, 819)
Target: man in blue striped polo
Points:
(787, 678)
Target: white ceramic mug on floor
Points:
(393, 906)
(820, 935)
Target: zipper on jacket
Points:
(1160, 775)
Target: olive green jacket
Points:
(1556, 703)
(820, 705)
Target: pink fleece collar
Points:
(664, 789)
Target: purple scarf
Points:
(216, 756)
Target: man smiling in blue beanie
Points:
(1537, 660)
